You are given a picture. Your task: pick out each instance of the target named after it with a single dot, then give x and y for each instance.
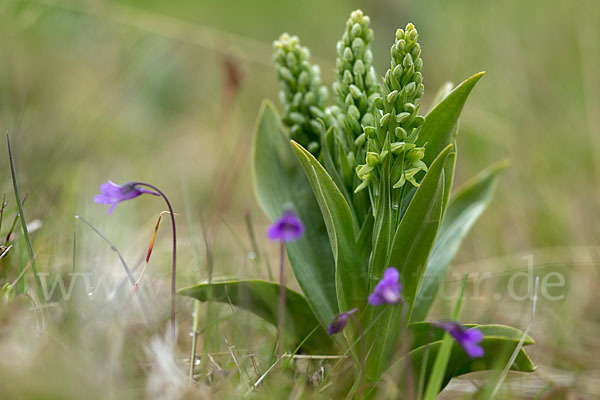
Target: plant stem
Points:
(281, 299)
(174, 261)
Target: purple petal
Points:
(473, 350)
(375, 299)
(473, 335)
(286, 228)
(391, 274)
(111, 209)
(102, 199)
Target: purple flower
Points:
(387, 290)
(467, 338)
(111, 193)
(340, 321)
(287, 228)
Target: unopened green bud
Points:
(310, 99)
(347, 79)
(415, 154)
(370, 131)
(410, 89)
(397, 147)
(372, 159)
(400, 133)
(304, 79)
(383, 121)
(297, 118)
(355, 91)
(364, 169)
(316, 126)
(408, 61)
(358, 46)
(356, 30)
(313, 147)
(409, 108)
(392, 96)
(353, 112)
(361, 139)
(348, 54)
(286, 74)
(403, 116)
(359, 67)
(316, 112)
(378, 103)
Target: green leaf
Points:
(350, 269)
(416, 233)
(280, 183)
(462, 212)
(441, 123)
(499, 342)
(410, 248)
(262, 299)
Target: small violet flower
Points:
(111, 193)
(467, 338)
(340, 321)
(286, 228)
(387, 290)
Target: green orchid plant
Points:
(370, 178)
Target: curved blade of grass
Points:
(279, 183)
(262, 299)
(350, 269)
(462, 212)
(23, 220)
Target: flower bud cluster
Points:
(302, 95)
(398, 121)
(356, 85)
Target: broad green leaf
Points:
(462, 212)
(410, 248)
(441, 123)
(280, 183)
(350, 269)
(262, 299)
(499, 343)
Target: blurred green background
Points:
(167, 92)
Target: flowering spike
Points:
(469, 339)
(397, 111)
(340, 321)
(354, 88)
(387, 290)
(112, 193)
(286, 228)
(302, 94)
